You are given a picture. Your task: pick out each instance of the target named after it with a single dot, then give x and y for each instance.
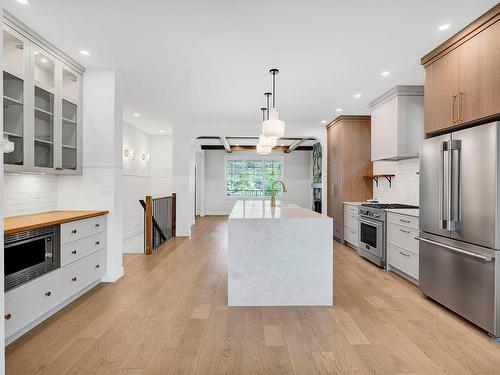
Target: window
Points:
(252, 178)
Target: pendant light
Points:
(264, 148)
(263, 140)
(273, 126)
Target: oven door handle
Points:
(370, 222)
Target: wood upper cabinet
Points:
(441, 93)
(462, 76)
(479, 75)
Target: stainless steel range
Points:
(372, 231)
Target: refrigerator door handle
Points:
(443, 186)
(456, 176)
(456, 249)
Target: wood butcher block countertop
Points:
(14, 224)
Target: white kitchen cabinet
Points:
(402, 247)
(42, 104)
(397, 123)
(351, 222)
(31, 303)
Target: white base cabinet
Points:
(351, 222)
(31, 303)
(402, 247)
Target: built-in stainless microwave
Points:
(29, 254)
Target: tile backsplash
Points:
(25, 194)
(405, 185)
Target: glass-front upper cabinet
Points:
(42, 105)
(15, 57)
(44, 89)
(70, 119)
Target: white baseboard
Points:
(113, 277)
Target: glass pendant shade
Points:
(263, 150)
(273, 127)
(267, 141)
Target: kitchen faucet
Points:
(273, 195)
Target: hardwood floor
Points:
(168, 315)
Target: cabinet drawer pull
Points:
(405, 231)
(97, 266)
(73, 279)
(453, 101)
(404, 221)
(48, 294)
(97, 243)
(461, 106)
(73, 231)
(73, 252)
(406, 255)
(97, 225)
(7, 316)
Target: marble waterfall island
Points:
(280, 256)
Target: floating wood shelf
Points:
(375, 178)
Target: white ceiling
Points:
(206, 61)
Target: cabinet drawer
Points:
(351, 219)
(76, 250)
(351, 209)
(76, 230)
(30, 301)
(403, 260)
(404, 220)
(351, 236)
(80, 274)
(403, 237)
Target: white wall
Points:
(405, 185)
(296, 174)
(25, 194)
(143, 177)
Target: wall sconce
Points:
(126, 152)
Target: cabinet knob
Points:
(73, 252)
(59, 168)
(97, 243)
(7, 316)
(73, 279)
(73, 231)
(97, 225)
(48, 294)
(97, 266)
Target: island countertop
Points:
(14, 224)
(261, 209)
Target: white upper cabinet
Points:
(397, 123)
(42, 104)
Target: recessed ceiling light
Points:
(323, 121)
(385, 74)
(339, 110)
(358, 95)
(162, 131)
(85, 52)
(43, 60)
(446, 26)
(137, 114)
(24, 2)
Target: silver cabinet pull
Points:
(486, 258)
(406, 255)
(405, 231)
(404, 221)
(461, 106)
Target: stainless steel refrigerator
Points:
(459, 262)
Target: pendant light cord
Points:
(274, 72)
(267, 94)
